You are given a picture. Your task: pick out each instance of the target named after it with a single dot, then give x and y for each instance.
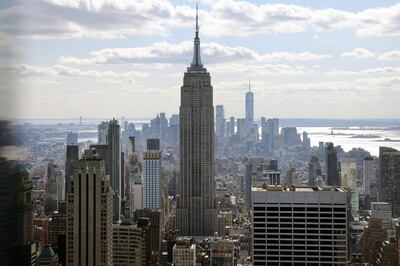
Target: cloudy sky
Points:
(112, 58)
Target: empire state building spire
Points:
(196, 204)
(196, 64)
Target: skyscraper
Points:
(299, 226)
(368, 171)
(196, 213)
(152, 175)
(72, 138)
(72, 157)
(220, 121)
(275, 126)
(389, 167)
(114, 153)
(129, 244)
(184, 252)
(332, 167)
(250, 106)
(16, 212)
(314, 170)
(134, 177)
(89, 213)
(102, 133)
(230, 127)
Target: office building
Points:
(153, 144)
(306, 140)
(299, 225)
(222, 252)
(89, 213)
(389, 167)
(383, 211)
(371, 240)
(72, 138)
(174, 128)
(57, 225)
(275, 127)
(230, 127)
(72, 157)
(290, 136)
(332, 165)
(48, 257)
(314, 170)
(250, 106)
(156, 229)
(163, 127)
(398, 241)
(151, 197)
(134, 179)
(184, 252)
(387, 254)
(102, 133)
(196, 207)
(129, 244)
(242, 127)
(219, 121)
(114, 156)
(51, 198)
(16, 212)
(258, 171)
(348, 173)
(368, 172)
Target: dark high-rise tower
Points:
(196, 213)
(332, 166)
(389, 174)
(114, 153)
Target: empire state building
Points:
(196, 211)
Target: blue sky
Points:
(112, 58)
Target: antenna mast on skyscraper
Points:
(249, 85)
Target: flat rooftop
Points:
(280, 188)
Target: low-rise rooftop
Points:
(281, 188)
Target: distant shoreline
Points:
(394, 124)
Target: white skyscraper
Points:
(89, 213)
(299, 226)
(152, 175)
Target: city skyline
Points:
(338, 59)
(213, 175)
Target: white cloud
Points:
(115, 19)
(358, 53)
(377, 70)
(66, 71)
(164, 52)
(260, 70)
(390, 56)
(305, 56)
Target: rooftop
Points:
(281, 188)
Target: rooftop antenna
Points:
(249, 85)
(197, 19)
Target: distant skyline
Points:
(306, 59)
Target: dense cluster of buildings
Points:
(188, 191)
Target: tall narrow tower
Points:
(250, 106)
(196, 213)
